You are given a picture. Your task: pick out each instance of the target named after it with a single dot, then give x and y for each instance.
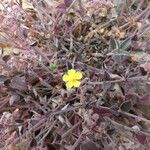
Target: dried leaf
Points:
(13, 98)
(140, 57)
(146, 66)
(89, 145)
(18, 83)
(3, 78)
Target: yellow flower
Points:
(71, 78)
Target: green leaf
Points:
(125, 44)
(113, 44)
(53, 67)
(125, 53)
(121, 57)
(117, 58)
(126, 106)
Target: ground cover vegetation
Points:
(74, 74)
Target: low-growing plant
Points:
(74, 74)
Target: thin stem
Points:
(102, 82)
(128, 114)
(67, 11)
(134, 116)
(66, 133)
(117, 125)
(136, 18)
(141, 78)
(77, 142)
(64, 111)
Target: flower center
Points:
(73, 80)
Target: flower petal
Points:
(69, 85)
(76, 84)
(65, 77)
(71, 72)
(78, 75)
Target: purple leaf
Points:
(145, 99)
(68, 2)
(132, 97)
(89, 145)
(69, 65)
(102, 111)
(19, 83)
(141, 138)
(61, 8)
